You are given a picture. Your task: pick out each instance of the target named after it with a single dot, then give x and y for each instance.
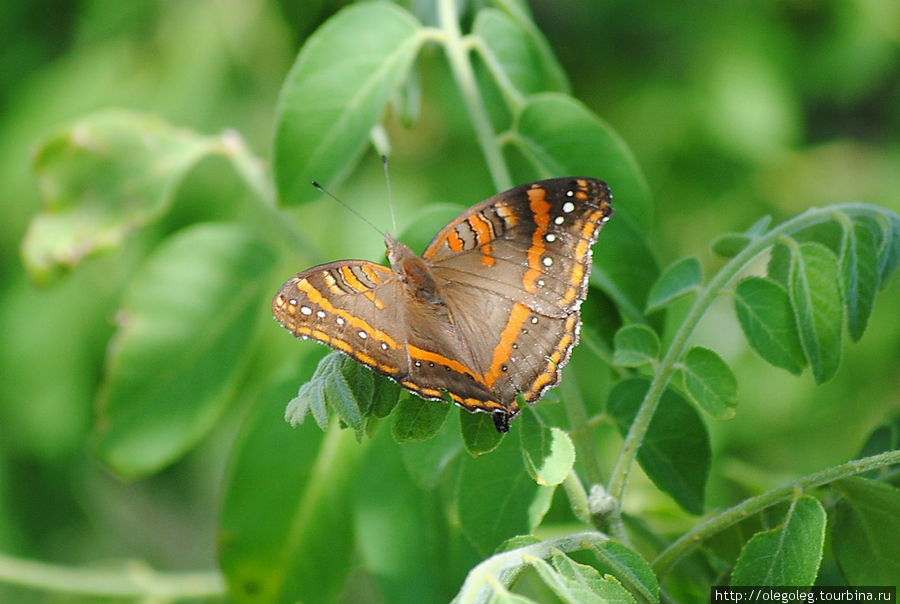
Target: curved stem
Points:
(134, 581)
(458, 57)
(667, 366)
(715, 524)
(504, 567)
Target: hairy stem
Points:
(719, 522)
(458, 57)
(667, 366)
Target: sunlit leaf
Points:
(511, 53)
(548, 451)
(336, 92)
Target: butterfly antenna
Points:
(347, 206)
(387, 179)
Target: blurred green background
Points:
(733, 110)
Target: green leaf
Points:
(576, 583)
(184, 332)
(678, 279)
(675, 452)
(635, 345)
(426, 460)
(859, 275)
(779, 267)
(287, 511)
(864, 535)
(496, 498)
(883, 438)
(339, 383)
(336, 92)
(102, 178)
(310, 398)
(624, 268)
(401, 533)
(416, 419)
(548, 452)
(787, 555)
(629, 568)
(386, 396)
(889, 248)
(763, 309)
(710, 382)
(561, 136)
(479, 433)
(816, 299)
(554, 76)
(510, 54)
(731, 244)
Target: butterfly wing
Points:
(351, 306)
(530, 244)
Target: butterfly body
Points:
(490, 309)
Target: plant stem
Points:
(709, 527)
(503, 567)
(458, 57)
(135, 580)
(580, 432)
(667, 366)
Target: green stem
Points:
(505, 566)
(715, 524)
(458, 57)
(667, 366)
(586, 449)
(136, 581)
(258, 180)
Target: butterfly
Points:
(489, 311)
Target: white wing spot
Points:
(570, 193)
(548, 261)
(306, 310)
(534, 320)
(293, 302)
(384, 346)
(363, 335)
(568, 207)
(540, 283)
(320, 314)
(550, 238)
(340, 320)
(559, 220)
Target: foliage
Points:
(384, 496)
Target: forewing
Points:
(530, 244)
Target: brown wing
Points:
(350, 305)
(531, 244)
